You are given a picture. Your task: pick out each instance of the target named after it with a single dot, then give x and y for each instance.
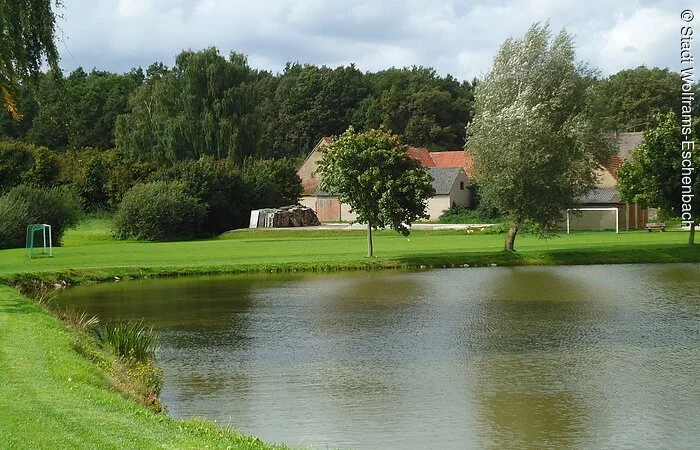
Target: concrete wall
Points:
(309, 201)
(461, 197)
(345, 214)
(437, 204)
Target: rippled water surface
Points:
(585, 356)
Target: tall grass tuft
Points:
(80, 320)
(130, 339)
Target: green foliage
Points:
(373, 173)
(219, 187)
(653, 176)
(27, 29)
(159, 211)
(203, 106)
(23, 205)
(532, 137)
(77, 111)
(130, 339)
(123, 173)
(632, 99)
(26, 163)
(311, 102)
(272, 182)
(463, 214)
(422, 107)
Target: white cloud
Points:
(453, 36)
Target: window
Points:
(461, 185)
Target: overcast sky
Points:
(455, 37)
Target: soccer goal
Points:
(32, 240)
(617, 217)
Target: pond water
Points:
(582, 356)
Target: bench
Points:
(655, 226)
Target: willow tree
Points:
(27, 29)
(373, 173)
(535, 143)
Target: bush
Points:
(273, 182)
(26, 163)
(219, 187)
(23, 205)
(462, 214)
(159, 211)
(86, 172)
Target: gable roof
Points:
(421, 155)
(444, 178)
(600, 196)
(454, 158)
(626, 142)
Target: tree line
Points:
(210, 104)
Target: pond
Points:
(583, 356)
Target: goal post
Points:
(617, 217)
(32, 231)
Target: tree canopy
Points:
(658, 170)
(27, 29)
(202, 106)
(373, 173)
(632, 99)
(535, 146)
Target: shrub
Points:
(159, 211)
(26, 163)
(217, 185)
(23, 205)
(87, 173)
(462, 214)
(273, 182)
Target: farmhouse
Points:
(451, 172)
(602, 208)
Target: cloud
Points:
(456, 37)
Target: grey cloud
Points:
(454, 37)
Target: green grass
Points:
(52, 397)
(90, 253)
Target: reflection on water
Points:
(586, 356)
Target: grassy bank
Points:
(90, 253)
(51, 396)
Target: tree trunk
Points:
(370, 249)
(691, 236)
(510, 238)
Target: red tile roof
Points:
(455, 158)
(421, 155)
(613, 165)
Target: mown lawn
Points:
(89, 250)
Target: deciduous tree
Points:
(27, 29)
(535, 148)
(373, 173)
(654, 176)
